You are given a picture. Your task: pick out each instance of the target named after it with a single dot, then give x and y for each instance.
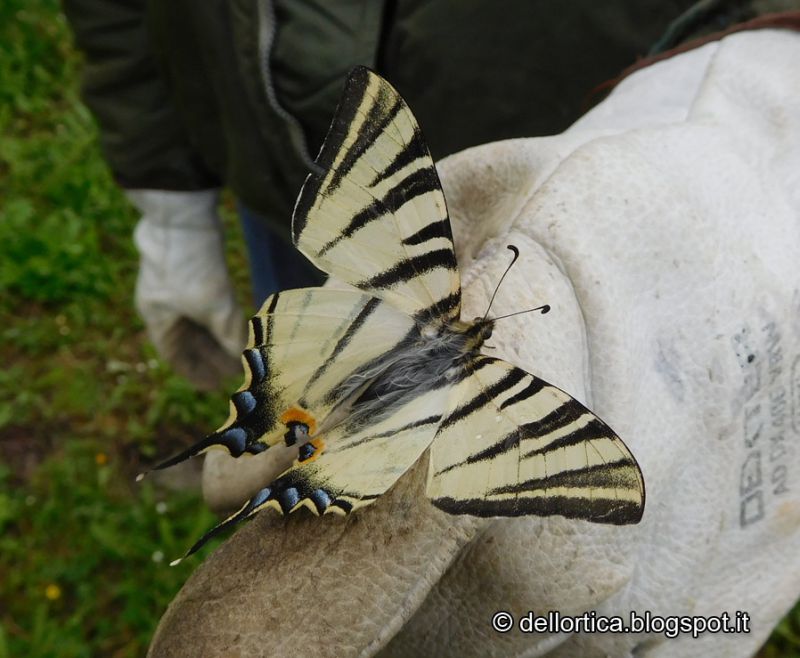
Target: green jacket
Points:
(194, 94)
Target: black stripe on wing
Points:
(260, 332)
(419, 182)
(345, 339)
(441, 311)
(484, 397)
(382, 111)
(599, 510)
(414, 150)
(352, 98)
(615, 475)
(560, 417)
(440, 229)
(533, 387)
(594, 429)
(422, 422)
(411, 268)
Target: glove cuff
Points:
(167, 209)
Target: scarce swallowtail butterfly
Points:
(363, 381)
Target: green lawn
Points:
(84, 551)
(83, 400)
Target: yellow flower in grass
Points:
(52, 592)
(101, 458)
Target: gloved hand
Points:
(183, 291)
(664, 231)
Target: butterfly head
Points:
(477, 332)
(473, 334)
(483, 328)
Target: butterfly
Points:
(362, 381)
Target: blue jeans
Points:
(275, 264)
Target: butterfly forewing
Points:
(375, 215)
(511, 444)
(313, 339)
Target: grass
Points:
(83, 400)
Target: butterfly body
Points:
(362, 381)
(429, 360)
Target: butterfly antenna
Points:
(544, 309)
(497, 287)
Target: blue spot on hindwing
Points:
(288, 499)
(321, 500)
(260, 498)
(234, 439)
(244, 401)
(258, 368)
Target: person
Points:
(194, 96)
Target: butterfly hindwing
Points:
(304, 344)
(511, 444)
(375, 215)
(359, 464)
(355, 465)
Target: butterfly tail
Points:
(287, 493)
(233, 439)
(247, 510)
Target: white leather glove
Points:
(664, 231)
(183, 291)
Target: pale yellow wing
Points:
(356, 463)
(304, 347)
(511, 444)
(374, 214)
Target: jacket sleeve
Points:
(141, 134)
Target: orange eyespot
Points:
(294, 414)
